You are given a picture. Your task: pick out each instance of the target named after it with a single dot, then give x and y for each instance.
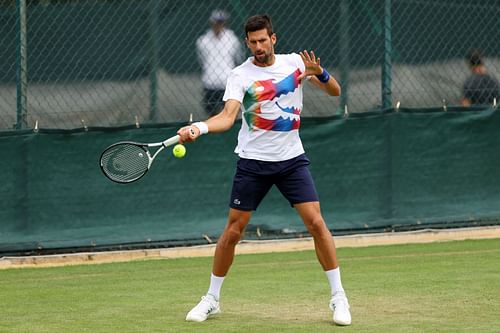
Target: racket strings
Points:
(125, 162)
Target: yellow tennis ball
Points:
(179, 151)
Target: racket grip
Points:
(171, 141)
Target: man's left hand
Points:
(311, 63)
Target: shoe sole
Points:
(199, 320)
(342, 323)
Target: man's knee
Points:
(232, 235)
(234, 229)
(316, 226)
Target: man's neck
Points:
(480, 70)
(270, 62)
(218, 32)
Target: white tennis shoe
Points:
(340, 308)
(208, 306)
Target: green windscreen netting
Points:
(376, 170)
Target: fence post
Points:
(387, 65)
(344, 54)
(153, 59)
(22, 64)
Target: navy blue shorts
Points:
(254, 179)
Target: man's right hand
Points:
(188, 134)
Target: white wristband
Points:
(201, 126)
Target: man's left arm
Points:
(319, 76)
(467, 94)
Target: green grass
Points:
(438, 287)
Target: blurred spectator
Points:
(480, 87)
(219, 50)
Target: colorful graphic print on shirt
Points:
(267, 90)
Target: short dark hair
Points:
(474, 57)
(259, 22)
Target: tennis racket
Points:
(125, 162)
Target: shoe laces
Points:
(338, 300)
(207, 304)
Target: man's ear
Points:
(273, 38)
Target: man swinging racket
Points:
(268, 89)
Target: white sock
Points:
(215, 285)
(333, 276)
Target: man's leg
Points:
(223, 258)
(224, 252)
(323, 240)
(324, 245)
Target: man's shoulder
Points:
(288, 56)
(245, 66)
(290, 59)
(230, 34)
(493, 80)
(480, 80)
(472, 81)
(204, 38)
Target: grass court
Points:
(436, 287)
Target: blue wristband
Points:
(323, 77)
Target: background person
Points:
(479, 88)
(219, 50)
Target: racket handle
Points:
(175, 139)
(171, 141)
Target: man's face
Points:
(262, 46)
(218, 27)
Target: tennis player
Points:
(268, 89)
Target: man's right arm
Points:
(226, 118)
(222, 122)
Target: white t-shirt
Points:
(271, 102)
(218, 56)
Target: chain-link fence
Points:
(116, 62)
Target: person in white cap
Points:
(219, 50)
